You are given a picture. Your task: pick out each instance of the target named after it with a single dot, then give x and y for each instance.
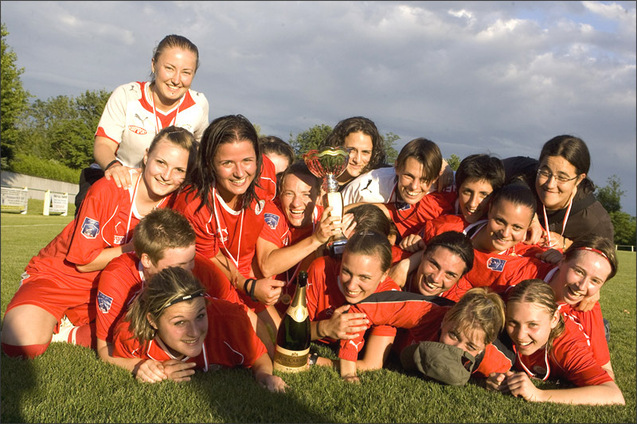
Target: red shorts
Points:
(77, 303)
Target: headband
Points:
(599, 252)
(199, 293)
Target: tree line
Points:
(53, 138)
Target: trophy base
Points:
(336, 247)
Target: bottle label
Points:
(290, 360)
(297, 313)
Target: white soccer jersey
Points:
(130, 120)
(375, 186)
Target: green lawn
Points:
(69, 384)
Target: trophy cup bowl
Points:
(328, 163)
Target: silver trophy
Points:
(328, 163)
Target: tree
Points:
(389, 140)
(624, 224)
(310, 139)
(15, 100)
(63, 128)
(610, 195)
(625, 228)
(453, 161)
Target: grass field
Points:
(69, 383)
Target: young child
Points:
(174, 328)
(548, 346)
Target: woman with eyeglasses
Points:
(567, 207)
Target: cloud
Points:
(502, 77)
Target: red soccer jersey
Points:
(570, 358)
(409, 219)
(422, 315)
(230, 341)
(439, 225)
(235, 233)
(118, 284)
(324, 293)
(105, 219)
(123, 278)
(278, 231)
(591, 324)
(497, 270)
(219, 227)
(51, 281)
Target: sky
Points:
(475, 77)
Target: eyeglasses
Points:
(559, 178)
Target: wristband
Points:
(254, 285)
(250, 291)
(113, 162)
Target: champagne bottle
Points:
(293, 337)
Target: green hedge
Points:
(44, 168)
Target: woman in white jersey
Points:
(137, 111)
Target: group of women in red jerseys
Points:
(516, 252)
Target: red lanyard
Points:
(546, 223)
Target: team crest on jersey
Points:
(137, 130)
(259, 207)
(104, 302)
(496, 264)
(271, 219)
(90, 228)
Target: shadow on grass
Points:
(17, 380)
(234, 396)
